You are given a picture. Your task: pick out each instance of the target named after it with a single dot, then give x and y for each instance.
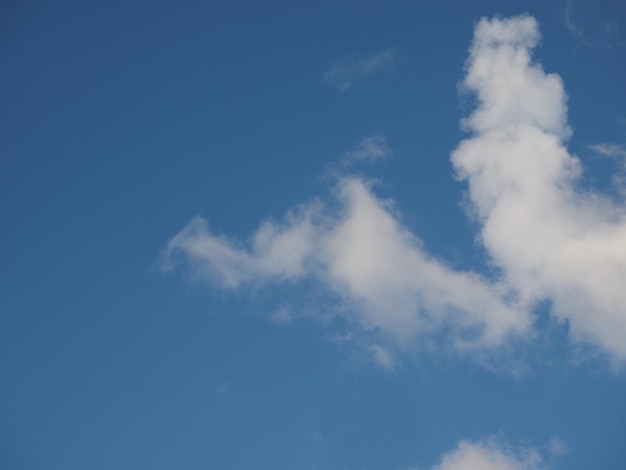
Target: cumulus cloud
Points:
(277, 251)
(343, 73)
(371, 148)
(616, 152)
(388, 285)
(568, 17)
(551, 239)
(489, 455)
(548, 239)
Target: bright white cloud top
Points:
(609, 149)
(490, 455)
(362, 253)
(549, 239)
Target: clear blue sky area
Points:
(237, 235)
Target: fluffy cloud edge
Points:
(370, 149)
(391, 290)
(550, 239)
(494, 454)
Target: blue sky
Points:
(313, 235)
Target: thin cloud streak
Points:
(370, 149)
(568, 18)
(345, 72)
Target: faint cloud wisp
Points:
(345, 72)
(551, 241)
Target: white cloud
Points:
(389, 286)
(551, 240)
(371, 148)
(344, 72)
(610, 149)
(548, 239)
(616, 152)
(396, 287)
(489, 455)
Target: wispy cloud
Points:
(547, 240)
(609, 149)
(345, 72)
(371, 148)
(557, 446)
(382, 356)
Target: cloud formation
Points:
(345, 72)
(489, 455)
(548, 239)
(551, 240)
(610, 149)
